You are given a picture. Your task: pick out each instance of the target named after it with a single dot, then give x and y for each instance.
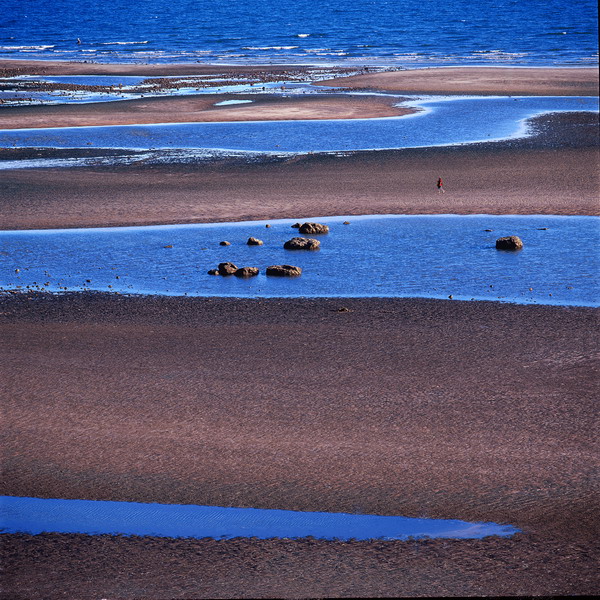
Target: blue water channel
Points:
(441, 121)
(431, 256)
(38, 515)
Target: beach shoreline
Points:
(429, 408)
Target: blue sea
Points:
(388, 32)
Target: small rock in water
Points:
(450, 296)
(283, 271)
(346, 223)
(169, 246)
(488, 230)
(267, 226)
(300, 243)
(296, 225)
(252, 241)
(227, 268)
(246, 272)
(542, 229)
(313, 228)
(511, 242)
(224, 243)
(213, 272)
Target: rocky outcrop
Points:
(313, 228)
(301, 243)
(511, 242)
(283, 271)
(227, 268)
(252, 241)
(246, 272)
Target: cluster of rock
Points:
(228, 268)
(297, 243)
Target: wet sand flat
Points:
(480, 411)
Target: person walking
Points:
(440, 185)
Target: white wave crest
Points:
(122, 43)
(269, 47)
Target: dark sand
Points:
(554, 172)
(478, 411)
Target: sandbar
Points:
(195, 109)
(526, 81)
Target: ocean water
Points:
(393, 32)
(427, 256)
(93, 517)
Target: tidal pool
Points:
(37, 515)
(428, 256)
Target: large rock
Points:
(246, 272)
(511, 242)
(300, 243)
(227, 268)
(313, 228)
(283, 271)
(252, 241)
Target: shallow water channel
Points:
(37, 515)
(440, 121)
(429, 256)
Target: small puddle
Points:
(94, 517)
